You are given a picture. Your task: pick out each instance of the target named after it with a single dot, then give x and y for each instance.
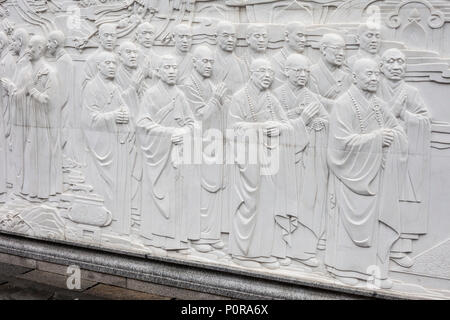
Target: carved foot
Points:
(348, 281)
(405, 262)
(311, 262)
(271, 265)
(386, 284)
(218, 245)
(203, 248)
(247, 263)
(285, 262)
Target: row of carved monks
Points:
(343, 146)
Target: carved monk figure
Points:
(231, 70)
(310, 119)
(148, 59)
(264, 182)
(411, 111)
(42, 172)
(108, 36)
(369, 38)
(206, 101)
(171, 191)
(366, 155)
(228, 67)
(130, 78)
(294, 42)
(109, 136)
(62, 63)
(330, 76)
(14, 83)
(183, 42)
(258, 40)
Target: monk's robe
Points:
(130, 82)
(329, 85)
(208, 112)
(148, 62)
(185, 66)
(40, 178)
(171, 186)
(7, 69)
(265, 186)
(365, 184)
(228, 69)
(111, 147)
(17, 105)
(311, 170)
(61, 136)
(416, 122)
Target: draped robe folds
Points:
(228, 69)
(311, 169)
(17, 101)
(40, 177)
(266, 209)
(185, 66)
(7, 69)
(208, 111)
(63, 114)
(171, 189)
(330, 85)
(131, 97)
(365, 184)
(112, 149)
(414, 199)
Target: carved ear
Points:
(286, 36)
(354, 77)
(285, 72)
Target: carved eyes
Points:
(399, 61)
(336, 48)
(262, 70)
(373, 73)
(228, 35)
(298, 71)
(168, 66)
(260, 36)
(371, 35)
(205, 61)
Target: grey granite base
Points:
(222, 281)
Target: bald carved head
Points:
(332, 46)
(257, 37)
(393, 64)
(366, 74)
(203, 60)
(297, 69)
(262, 73)
(295, 36)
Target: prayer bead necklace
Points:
(197, 87)
(376, 108)
(252, 107)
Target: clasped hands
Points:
(178, 135)
(122, 116)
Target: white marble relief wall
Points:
(307, 139)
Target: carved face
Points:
(298, 73)
(262, 75)
(258, 41)
(367, 78)
(35, 50)
(108, 38)
(128, 56)
(370, 41)
(393, 66)
(168, 71)
(107, 67)
(203, 63)
(226, 38)
(52, 46)
(183, 40)
(146, 37)
(334, 52)
(296, 40)
(16, 44)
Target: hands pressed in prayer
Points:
(219, 94)
(41, 97)
(178, 136)
(388, 137)
(310, 112)
(399, 106)
(7, 85)
(271, 129)
(122, 116)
